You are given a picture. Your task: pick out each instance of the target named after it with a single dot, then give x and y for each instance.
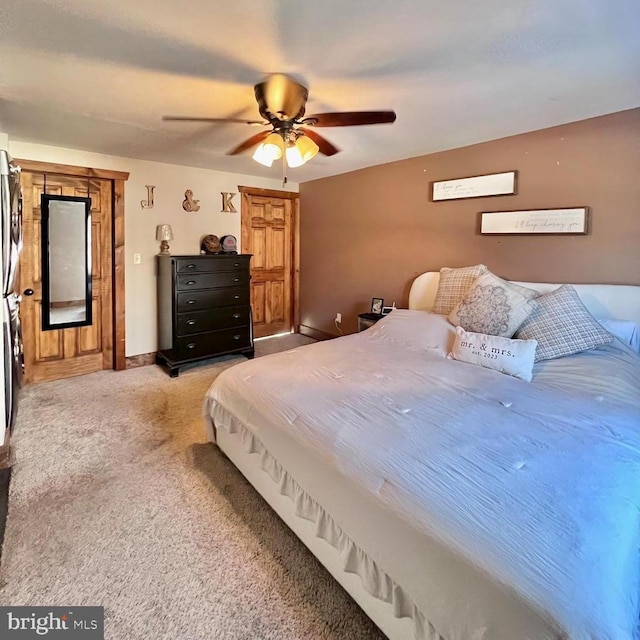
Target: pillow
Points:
(513, 357)
(626, 331)
(494, 306)
(562, 325)
(453, 286)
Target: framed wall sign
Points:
(572, 221)
(493, 184)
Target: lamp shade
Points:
(164, 232)
(269, 150)
(301, 151)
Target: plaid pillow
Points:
(453, 286)
(562, 325)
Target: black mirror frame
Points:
(46, 293)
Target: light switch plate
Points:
(136, 258)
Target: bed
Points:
(452, 502)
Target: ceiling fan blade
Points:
(324, 146)
(349, 118)
(250, 142)
(189, 119)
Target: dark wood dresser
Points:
(204, 309)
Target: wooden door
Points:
(60, 353)
(268, 232)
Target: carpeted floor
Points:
(117, 499)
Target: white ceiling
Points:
(99, 74)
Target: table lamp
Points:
(164, 234)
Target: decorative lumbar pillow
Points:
(453, 286)
(513, 357)
(494, 306)
(562, 325)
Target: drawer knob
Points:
(191, 322)
(236, 279)
(236, 297)
(237, 337)
(236, 315)
(190, 282)
(236, 264)
(191, 345)
(191, 301)
(190, 266)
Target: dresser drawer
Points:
(199, 300)
(212, 320)
(211, 280)
(205, 344)
(216, 263)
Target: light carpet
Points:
(117, 499)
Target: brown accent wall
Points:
(370, 232)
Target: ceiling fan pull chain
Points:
(284, 171)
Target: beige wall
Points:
(370, 232)
(171, 181)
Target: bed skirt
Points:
(353, 559)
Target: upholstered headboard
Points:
(618, 301)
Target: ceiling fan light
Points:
(274, 144)
(262, 156)
(308, 148)
(269, 150)
(302, 151)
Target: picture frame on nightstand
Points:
(377, 304)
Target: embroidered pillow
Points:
(562, 325)
(513, 357)
(494, 306)
(453, 286)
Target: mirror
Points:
(66, 262)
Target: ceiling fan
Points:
(281, 102)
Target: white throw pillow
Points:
(513, 357)
(453, 286)
(626, 331)
(494, 306)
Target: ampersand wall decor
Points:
(189, 203)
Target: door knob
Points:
(28, 292)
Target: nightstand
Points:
(366, 320)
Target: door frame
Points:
(245, 222)
(118, 178)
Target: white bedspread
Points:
(534, 485)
